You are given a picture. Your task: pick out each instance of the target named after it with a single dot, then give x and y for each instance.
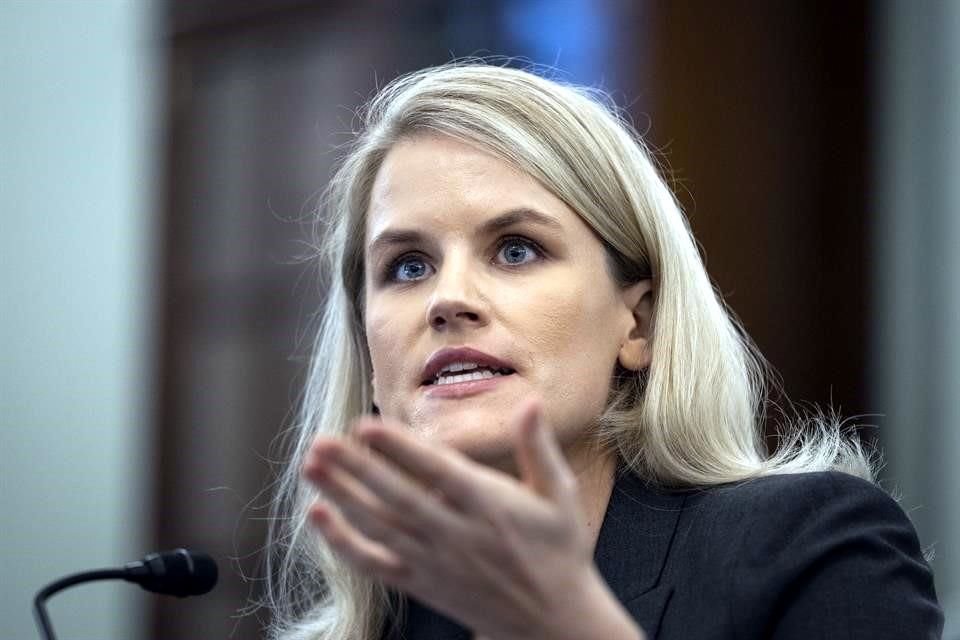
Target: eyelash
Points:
(388, 273)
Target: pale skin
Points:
(486, 508)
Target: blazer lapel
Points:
(633, 545)
(631, 551)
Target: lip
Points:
(463, 389)
(448, 355)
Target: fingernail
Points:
(317, 471)
(533, 423)
(533, 411)
(320, 514)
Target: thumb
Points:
(539, 457)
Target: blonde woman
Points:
(565, 436)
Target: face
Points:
(535, 295)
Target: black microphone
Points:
(178, 573)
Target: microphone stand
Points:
(39, 602)
(177, 572)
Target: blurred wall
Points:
(77, 131)
(916, 356)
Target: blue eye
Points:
(402, 262)
(419, 264)
(516, 242)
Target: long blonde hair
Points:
(695, 417)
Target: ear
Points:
(373, 386)
(634, 346)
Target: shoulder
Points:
(800, 544)
(805, 488)
(807, 514)
(805, 495)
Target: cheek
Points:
(572, 334)
(567, 320)
(385, 345)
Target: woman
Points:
(569, 440)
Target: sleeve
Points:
(827, 555)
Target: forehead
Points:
(439, 184)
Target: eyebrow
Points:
(500, 222)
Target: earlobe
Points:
(634, 355)
(634, 349)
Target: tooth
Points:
(465, 377)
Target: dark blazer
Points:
(810, 556)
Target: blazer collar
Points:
(631, 551)
(636, 534)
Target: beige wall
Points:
(75, 126)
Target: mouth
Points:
(444, 365)
(480, 373)
(460, 386)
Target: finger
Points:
(404, 504)
(438, 468)
(369, 557)
(539, 457)
(525, 431)
(365, 511)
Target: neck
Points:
(594, 468)
(595, 471)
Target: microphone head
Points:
(177, 572)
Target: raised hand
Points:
(507, 558)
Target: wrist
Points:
(591, 612)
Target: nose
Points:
(457, 302)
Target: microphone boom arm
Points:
(39, 602)
(178, 572)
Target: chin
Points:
(493, 447)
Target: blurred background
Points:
(160, 161)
